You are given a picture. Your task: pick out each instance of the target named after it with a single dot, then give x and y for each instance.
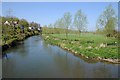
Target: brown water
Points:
(37, 59)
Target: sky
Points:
(60, 0)
(45, 13)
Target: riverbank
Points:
(16, 41)
(85, 47)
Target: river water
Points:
(37, 59)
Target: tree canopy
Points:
(107, 21)
(80, 21)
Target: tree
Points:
(56, 27)
(59, 25)
(80, 21)
(107, 21)
(34, 24)
(23, 22)
(67, 19)
(110, 26)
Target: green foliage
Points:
(80, 21)
(110, 26)
(11, 33)
(23, 22)
(107, 21)
(34, 24)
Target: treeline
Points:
(67, 25)
(106, 24)
(50, 30)
(14, 28)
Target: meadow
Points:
(87, 44)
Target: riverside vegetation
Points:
(12, 34)
(89, 45)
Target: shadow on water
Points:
(37, 59)
(5, 55)
(20, 46)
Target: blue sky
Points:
(48, 12)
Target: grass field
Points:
(86, 37)
(88, 44)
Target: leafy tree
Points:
(56, 26)
(34, 24)
(107, 21)
(80, 21)
(67, 19)
(59, 25)
(110, 26)
(24, 23)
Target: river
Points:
(37, 59)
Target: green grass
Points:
(85, 37)
(79, 44)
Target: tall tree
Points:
(56, 27)
(67, 19)
(80, 21)
(107, 21)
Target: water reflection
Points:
(35, 59)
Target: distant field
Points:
(86, 37)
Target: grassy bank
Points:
(92, 46)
